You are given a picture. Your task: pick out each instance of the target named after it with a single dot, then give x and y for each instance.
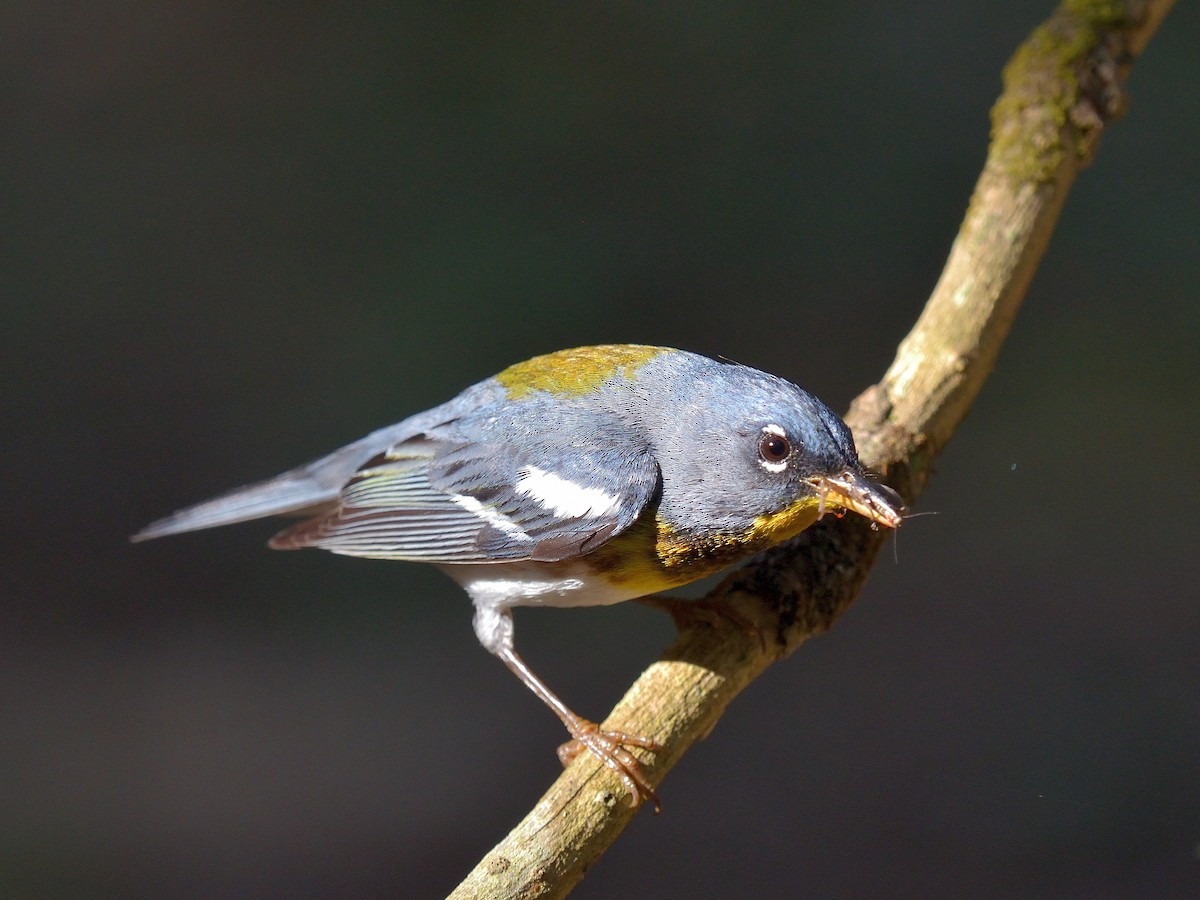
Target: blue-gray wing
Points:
(446, 501)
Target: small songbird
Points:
(579, 478)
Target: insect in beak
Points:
(852, 491)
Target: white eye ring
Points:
(774, 449)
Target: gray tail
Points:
(292, 492)
(297, 491)
(302, 490)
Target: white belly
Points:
(568, 583)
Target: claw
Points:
(609, 748)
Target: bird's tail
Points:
(308, 488)
(294, 492)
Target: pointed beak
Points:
(851, 490)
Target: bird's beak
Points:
(851, 490)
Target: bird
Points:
(582, 477)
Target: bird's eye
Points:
(774, 448)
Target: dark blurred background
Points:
(238, 235)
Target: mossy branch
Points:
(1061, 88)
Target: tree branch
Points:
(1063, 85)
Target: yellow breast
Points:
(651, 556)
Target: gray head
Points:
(746, 456)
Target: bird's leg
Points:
(607, 746)
(494, 628)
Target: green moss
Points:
(1041, 86)
(1098, 12)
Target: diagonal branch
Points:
(1061, 88)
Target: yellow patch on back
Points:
(574, 373)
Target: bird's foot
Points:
(610, 747)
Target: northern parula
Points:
(579, 478)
